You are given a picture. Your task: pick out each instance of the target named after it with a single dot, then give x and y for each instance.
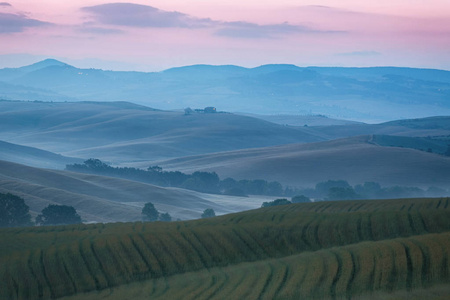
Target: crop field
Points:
(337, 273)
(315, 250)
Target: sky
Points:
(156, 35)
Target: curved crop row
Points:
(94, 257)
(403, 264)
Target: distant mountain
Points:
(41, 65)
(364, 94)
(357, 160)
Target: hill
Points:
(302, 120)
(323, 250)
(356, 159)
(34, 157)
(127, 132)
(105, 199)
(364, 94)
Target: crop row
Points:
(97, 257)
(403, 264)
(297, 215)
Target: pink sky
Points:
(155, 35)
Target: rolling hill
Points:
(356, 159)
(34, 157)
(327, 250)
(128, 132)
(105, 199)
(364, 94)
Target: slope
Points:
(356, 160)
(105, 199)
(329, 252)
(34, 157)
(126, 132)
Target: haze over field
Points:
(288, 149)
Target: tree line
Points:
(209, 182)
(205, 182)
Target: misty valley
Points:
(224, 182)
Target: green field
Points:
(313, 250)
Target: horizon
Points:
(218, 65)
(160, 35)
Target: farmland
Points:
(318, 250)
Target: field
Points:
(315, 250)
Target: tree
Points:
(341, 193)
(208, 213)
(13, 211)
(149, 212)
(58, 215)
(300, 199)
(276, 202)
(165, 217)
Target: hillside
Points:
(105, 199)
(34, 157)
(363, 94)
(357, 160)
(322, 250)
(127, 132)
(122, 132)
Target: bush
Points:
(276, 202)
(165, 217)
(208, 213)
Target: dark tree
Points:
(208, 213)
(149, 212)
(276, 202)
(58, 215)
(165, 217)
(13, 211)
(341, 193)
(300, 199)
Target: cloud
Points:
(359, 53)
(136, 15)
(10, 23)
(5, 4)
(251, 30)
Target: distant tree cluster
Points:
(205, 182)
(342, 190)
(151, 214)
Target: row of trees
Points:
(15, 213)
(342, 190)
(209, 182)
(206, 182)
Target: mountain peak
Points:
(49, 62)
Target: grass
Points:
(329, 249)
